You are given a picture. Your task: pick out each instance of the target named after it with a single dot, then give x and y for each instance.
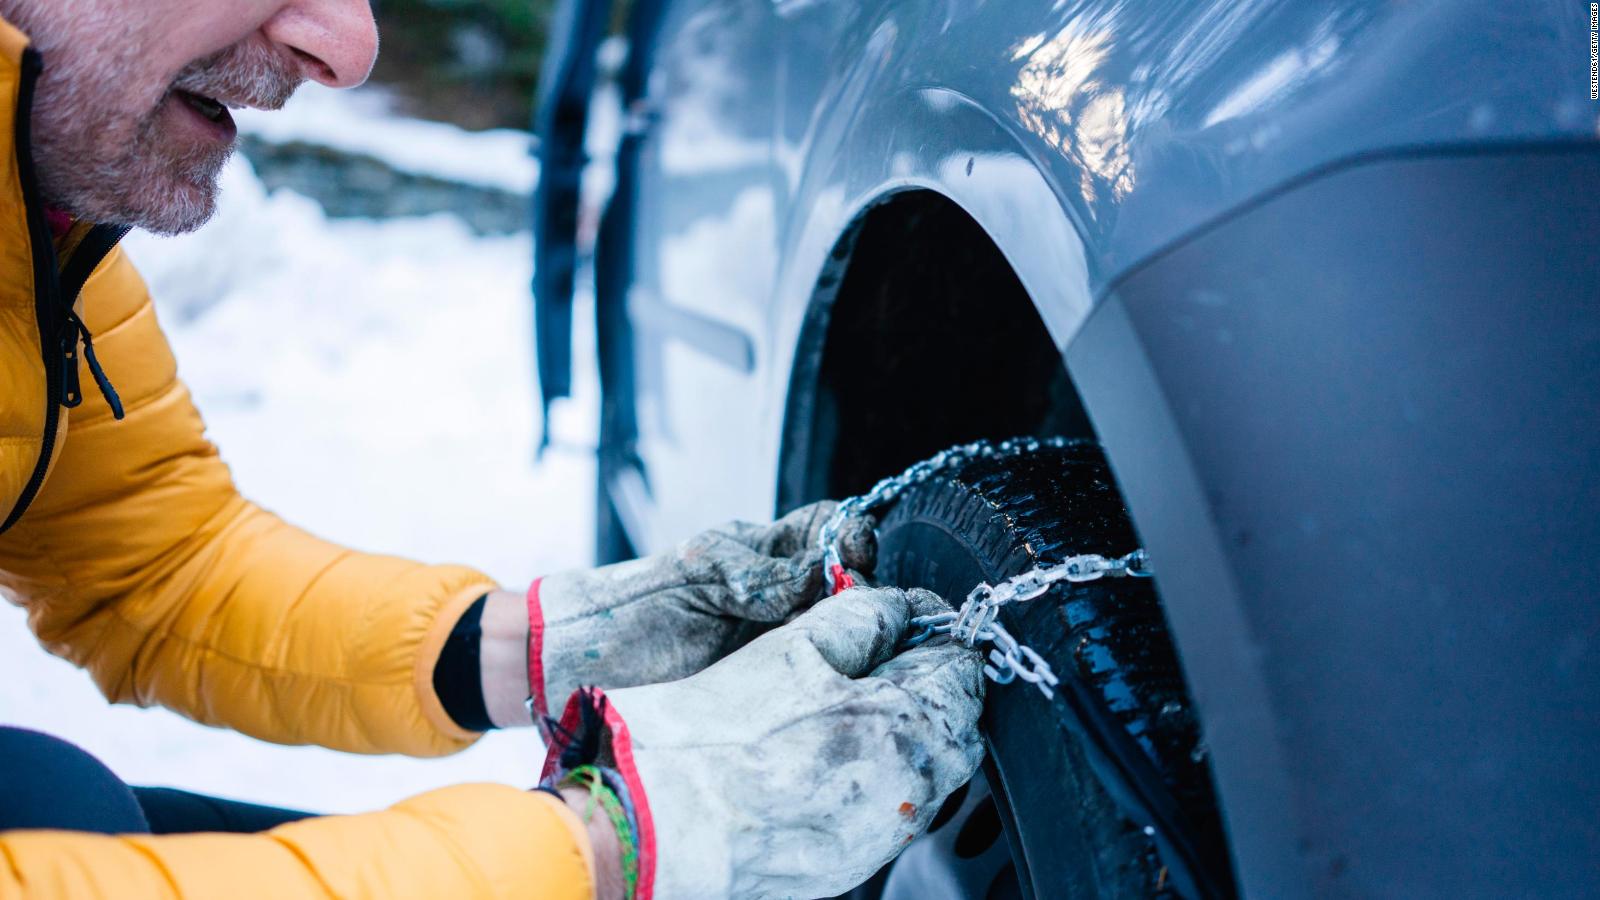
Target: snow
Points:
(370, 381)
(364, 122)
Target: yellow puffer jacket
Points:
(138, 561)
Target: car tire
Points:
(1067, 835)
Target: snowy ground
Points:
(370, 381)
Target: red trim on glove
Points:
(622, 752)
(536, 655)
(842, 580)
(622, 755)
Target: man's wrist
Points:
(503, 657)
(604, 846)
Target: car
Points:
(1303, 299)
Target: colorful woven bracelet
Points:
(594, 779)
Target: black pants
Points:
(46, 782)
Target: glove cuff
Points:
(591, 732)
(537, 704)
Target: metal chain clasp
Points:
(977, 618)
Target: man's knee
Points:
(49, 783)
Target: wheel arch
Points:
(915, 319)
(921, 152)
(899, 157)
(819, 456)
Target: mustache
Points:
(246, 74)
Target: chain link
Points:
(977, 618)
(889, 489)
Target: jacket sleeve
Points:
(469, 841)
(140, 562)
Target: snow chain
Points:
(977, 619)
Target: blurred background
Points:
(355, 326)
(471, 62)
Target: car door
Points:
(703, 250)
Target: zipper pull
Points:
(71, 393)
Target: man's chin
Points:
(169, 199)
(162, 178)
(174, 180)
(185, 209)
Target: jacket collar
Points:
(16, 251)
(25, 231)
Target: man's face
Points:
(131, 122)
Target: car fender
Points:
(942, 141)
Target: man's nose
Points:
(335, 41)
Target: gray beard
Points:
(100, 161)
(102, 176)
(94, 160)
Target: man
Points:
(793, 765)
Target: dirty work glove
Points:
(671, 615)
(797, 766)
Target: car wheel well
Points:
(919, 336)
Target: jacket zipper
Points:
(94, 248)
(54, 294)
